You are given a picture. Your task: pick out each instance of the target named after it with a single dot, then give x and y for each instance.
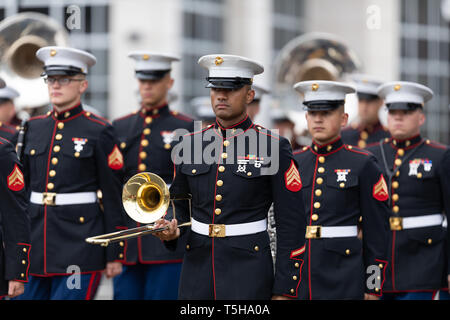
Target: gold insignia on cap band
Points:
(218, 61)
(145, 57)
(397, 87)
(315, 87)
(52, 53)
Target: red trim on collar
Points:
(64, 111)
(234, 125)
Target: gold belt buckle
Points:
(313, 232)
(48, 198)
(217, 230)
(396, 223)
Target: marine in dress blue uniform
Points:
(342, 185)
(234, 183)
(15, 223)
(368, 131)
(68, 157)
(7, 130)
(419, 184)
(146, 140)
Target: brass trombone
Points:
(146, 198)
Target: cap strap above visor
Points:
(323, 104)
(367, 96)
(228, 83)
(153, 73)
(69, 70)
(403, 106)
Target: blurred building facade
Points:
(394, 39)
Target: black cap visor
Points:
(367, 96)
(60, 70)
(323, 105)
(403, 106)
(151, 74)
(228, 83)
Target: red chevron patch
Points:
(292, 178)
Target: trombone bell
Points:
(146, 199)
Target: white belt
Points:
(222, 230)
(61, 199)
(400, 223)
(317, 232)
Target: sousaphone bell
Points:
(145, 198)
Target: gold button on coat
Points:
(144, 143)
(194, 171)
(81, 219)
(419, 175)
(52, 173)
(226, 143)
(321, 159)
(321, 170)
(347, 252)
(318, 192)
(219, 197)
(395, 184)
(395, 197)
(342, 185)
(147, 131)
(50, 186)
(398, 162)
(76, 154)
(218, 211)
(224, 155)
(123, 145)
(400, 152)
(315, 217)
(60, 125)
(167, 146)
(56, 148)
(33, 152)
(142, 167)
(221, 168)
(319, 180)
(396, 209)
(58, 136)
(219, 183)
(148, 120)
(317, 205)
(54, 161)
(143, 155)
(256, 248)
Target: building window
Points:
(287, 22)
(203, 23)
(425, 58)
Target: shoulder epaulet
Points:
(199, 131)
(265, 131)
(96, 118)
(43, 116)
(181, 116)
(435, 144)
(7, 127)
(126, 116)
(298, 151)
(3, 140)
(357, 150)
